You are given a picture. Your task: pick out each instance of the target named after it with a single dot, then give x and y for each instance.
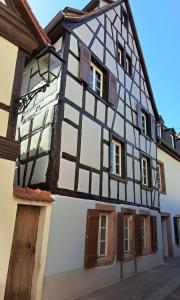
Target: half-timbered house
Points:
(20, 35)
(90, 139)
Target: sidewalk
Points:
(161, 283)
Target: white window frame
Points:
(106, 235)
(113, 156)
(126, 251)
(96, 69)
(159, 180)
(120, 56)
(143, 232)
(145, 175)
(144, 121)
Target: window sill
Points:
(163, 192)
(128, 258)
(97, 96)
(119, 178)
(146, 188)
(146, 136)
(104, 261)
(130, 76)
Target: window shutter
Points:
(138, 235)
(112, 90)
(139, 116)
(85, 60)
(154, 233)
(153, 128)
(120, 236)
(176, 231)
(91, 246)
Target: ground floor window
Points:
(177, 230)
(103, 235)
(100, 236)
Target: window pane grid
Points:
(96, 79)
(116, 157)
(102, 245)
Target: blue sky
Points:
(158, 25)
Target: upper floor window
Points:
(172, 140)
(116, 158)
(161, 183)
(159, 177)
(121, 55)
(145, 165)
(128, 65)
(96, 77)
(124, 17)
(144, 123)
(102, 236)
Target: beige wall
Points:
(7, 222)
(8, 57)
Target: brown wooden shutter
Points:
(85, 60)
(120, 236)
(138, 235)
(139, 116)
(112, 89)
(91, 246)
(153, 128)
(154, 234)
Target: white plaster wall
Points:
(170, 203)
(65, 256)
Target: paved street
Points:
(161, 283)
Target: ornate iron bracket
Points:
(23, 102)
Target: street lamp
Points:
(49, 67)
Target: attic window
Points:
(172, 141)
(124, 17)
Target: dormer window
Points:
(124, 18)
(172, 140)
(96, 78)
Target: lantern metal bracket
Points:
(23, 102)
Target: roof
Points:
(70, 15)
(33, 195)
(28, 15)
(20, 26)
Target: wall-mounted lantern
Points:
(49, 68)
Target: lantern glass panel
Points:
(55, 65)
(43, 63)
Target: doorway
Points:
(166, 236)
(21, 265)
